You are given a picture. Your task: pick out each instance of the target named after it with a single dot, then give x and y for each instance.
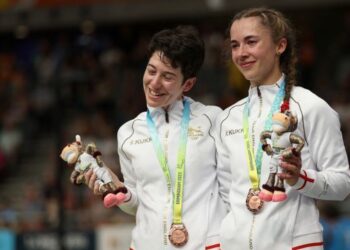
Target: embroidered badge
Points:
(195, 133)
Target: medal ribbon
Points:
(180, 166)
(254, 163)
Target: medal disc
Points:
(178, 235)
(253, 202)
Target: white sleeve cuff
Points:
(306, 178)
(311, 183)
(128, 197)
(130, 204)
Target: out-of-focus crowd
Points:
(55, 84)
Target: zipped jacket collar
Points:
(270, 88)
(173, 112)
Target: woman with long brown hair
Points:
(263, 49)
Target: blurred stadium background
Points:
(75, 66)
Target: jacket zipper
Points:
(166, 116)
(258, 117)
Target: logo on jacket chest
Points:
(233, 131)
(140, 141)
(195, 133)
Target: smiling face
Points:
(162, 83)
(254, 52)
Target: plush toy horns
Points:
(78, 139)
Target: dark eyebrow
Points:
(169, 73)
(249, 37)
(165, 72)
(245, 38)
(151, 65)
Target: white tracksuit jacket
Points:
(295, 222)
(202, 209)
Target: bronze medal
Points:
(253, 202)
(178, 235)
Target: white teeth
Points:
(154, 93)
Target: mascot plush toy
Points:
(87, 158)
(282, 141)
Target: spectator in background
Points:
(263, 49)
(8, 214)
(336, 228)
(172, 188)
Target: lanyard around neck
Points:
(255, 162)
(180, 166)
